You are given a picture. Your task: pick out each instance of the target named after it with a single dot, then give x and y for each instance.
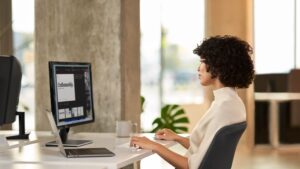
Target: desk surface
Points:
(38, 156)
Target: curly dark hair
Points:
(228, 58)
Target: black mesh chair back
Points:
(222, 148)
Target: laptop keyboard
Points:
(89, 151)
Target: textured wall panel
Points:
(80, 30)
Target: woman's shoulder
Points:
(232, 109)
(230, 103)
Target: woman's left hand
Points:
(143, 142)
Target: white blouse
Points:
(226, 109)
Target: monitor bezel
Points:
(53, 93)
(11, 78)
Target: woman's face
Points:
(204, 76)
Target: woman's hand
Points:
(166, 134)
(173, 158)
(143, 142)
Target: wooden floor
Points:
(266, 158)
(262, 157)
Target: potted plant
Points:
(172, 117)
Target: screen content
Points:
(73, 94)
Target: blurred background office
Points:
(144, 48)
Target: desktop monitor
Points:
(10, 86)
(71, 97)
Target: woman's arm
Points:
(183, 141)
(167, 134)
(173, 158)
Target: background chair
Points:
(289, 111)
(221, 151)
(276, 82)
(290, 124)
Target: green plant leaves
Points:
(142, 103)
(172, 117)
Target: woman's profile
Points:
(225, 65)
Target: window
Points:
(23, 34)
(275, 31)
(170, 30)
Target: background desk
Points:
(274, 99)
(36, 155)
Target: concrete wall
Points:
(130, 60)
(6, 40)
(90, 31)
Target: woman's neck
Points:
(217, 84)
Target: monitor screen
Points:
(10, 85)
(71, 93)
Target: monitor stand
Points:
(63, 133)
(22, 134)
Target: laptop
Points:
(70, 143)
(77, 152)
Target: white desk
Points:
(274, 99)
(17, 143)
(38, 156)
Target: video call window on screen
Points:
(71, 93)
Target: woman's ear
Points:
(207, 68)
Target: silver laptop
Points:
(77, 152)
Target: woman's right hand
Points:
(166, 134)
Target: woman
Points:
(225, 64)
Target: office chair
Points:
(221, 151)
